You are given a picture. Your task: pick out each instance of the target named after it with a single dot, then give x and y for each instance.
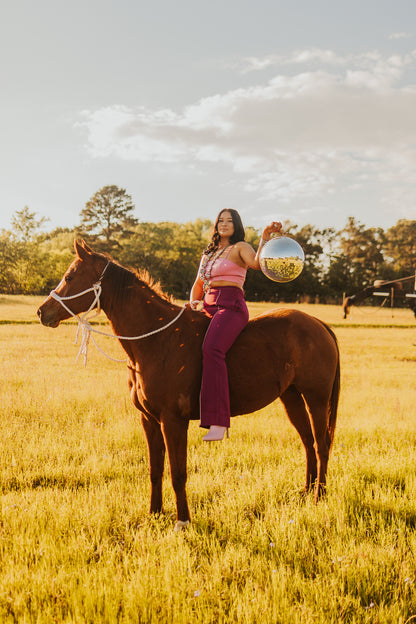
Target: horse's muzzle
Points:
(47, 316)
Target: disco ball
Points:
(281, 259)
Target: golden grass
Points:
(19, 307)
(77, 543)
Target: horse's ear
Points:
(82, 250)
(86, 247)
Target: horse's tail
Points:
(333, 403)
(336, 386)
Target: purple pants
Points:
(229, 315)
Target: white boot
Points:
(215, 433)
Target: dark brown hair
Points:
(238, 234)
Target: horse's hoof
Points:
(180, 525)
(320, 493)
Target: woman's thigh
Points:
(224, 328)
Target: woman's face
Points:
(225, 225)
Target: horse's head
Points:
(81, 275)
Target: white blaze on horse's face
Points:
(65, 287)
(60, 289)
(59, 285)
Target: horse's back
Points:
(288, 329)
(277, 349)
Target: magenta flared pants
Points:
(229, 315)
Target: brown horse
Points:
(283, 353)
(392, 289)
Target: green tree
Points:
(107, 214)
(32, 262)
(9, 255)
(400, 247)
(21, 248)
(56, 248)
(360, 255)
(25, 225)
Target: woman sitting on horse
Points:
(219, 283)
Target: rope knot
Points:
(85, 328)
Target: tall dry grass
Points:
(77, 543)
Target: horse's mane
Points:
(144, 276)
(123, 280)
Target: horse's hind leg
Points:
(175, 433)
(156, 447)
(299, 417)
(318, 407)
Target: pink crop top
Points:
(224, 270)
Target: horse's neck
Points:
(141, 312)
(362, 294)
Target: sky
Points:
(301, 110)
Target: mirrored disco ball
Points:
(282, 259)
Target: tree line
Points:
(33, 261)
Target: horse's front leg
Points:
(175, 433)
(156, 447)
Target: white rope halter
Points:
(86, 328)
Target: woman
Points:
(219, 283)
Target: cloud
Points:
(400, 35)
(325, 123)
(316, 57)
(312, 56)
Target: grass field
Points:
(77, 543)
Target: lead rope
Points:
(86, 329)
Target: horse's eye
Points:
(68, 278)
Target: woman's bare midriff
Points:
(217, 284)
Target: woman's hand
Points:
(247, 253)
(274, 228)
